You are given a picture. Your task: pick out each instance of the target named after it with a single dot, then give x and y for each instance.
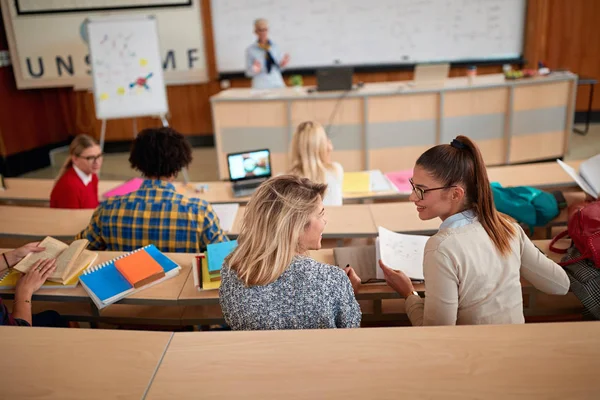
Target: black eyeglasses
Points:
(92, 158)
(421, 192)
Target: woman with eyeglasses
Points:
(77, 182)
(264, 60)
(474, 264)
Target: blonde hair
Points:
(260, 22)
(309, 152)
(275, 217)
(78, 145)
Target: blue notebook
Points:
(105, 284)
(216, 253)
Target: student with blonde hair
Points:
(311, 158)
(77, 183)
(269, 281)
(474, 264)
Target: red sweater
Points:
(70, 192)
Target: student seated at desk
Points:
(311, 158)
(28, 284)
(155, 213)
(269, 281)
(77, 182)
(473, 265)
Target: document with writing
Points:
(401, 252)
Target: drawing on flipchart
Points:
(121, 68)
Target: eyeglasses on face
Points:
(420, 192)
(92, 158)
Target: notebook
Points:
(139, 268)
(9, 279)
(70, 259)
(130, 186)
(400, 179)
(356, 182)
(226, 213)
(401, 252)
(588, 177)
(216, 253)
(106, 285)
(202, 279)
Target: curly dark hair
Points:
(160, 152)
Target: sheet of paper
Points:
(400, 179)
(226, 213)
(356, 182)
(379, 183)
(401, 252)
(578, 179)
(53, 249)
(590, 172)
(67, 258)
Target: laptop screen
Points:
(249, 165)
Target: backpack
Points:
(525, 204)
(584, 230)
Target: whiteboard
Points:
(374, 32)
(126, 68)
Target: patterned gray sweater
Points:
(308, 295)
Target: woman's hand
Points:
(14, 256)
(285, 60)
(354, 278)
(256, 67)
(397, 280)
(34, 279)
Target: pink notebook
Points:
(400, 180)
(126, 188)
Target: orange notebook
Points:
(139, 268)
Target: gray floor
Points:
(203, 167)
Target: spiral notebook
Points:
(106, 285)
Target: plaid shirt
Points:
(155, 213)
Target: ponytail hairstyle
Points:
(461, 163)
(78, 145)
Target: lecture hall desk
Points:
(532, 361)
(545, 175)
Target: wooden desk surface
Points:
(534, 361)
(165, 293)
(540, 175)
(42, 221)
(78, 363)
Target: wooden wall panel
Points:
(564, 34)
(30, 118)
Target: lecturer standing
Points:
(264, 61)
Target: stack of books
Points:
(116, 279)
(206, 267)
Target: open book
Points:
(70, 259)
(588, 177)
(401, 252)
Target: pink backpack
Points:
(584, 230)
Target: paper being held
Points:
(401, 252)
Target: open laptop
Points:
(334, 78)
(430, 74)
(248, 170)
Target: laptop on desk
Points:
(334, 78)
(248, 170)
